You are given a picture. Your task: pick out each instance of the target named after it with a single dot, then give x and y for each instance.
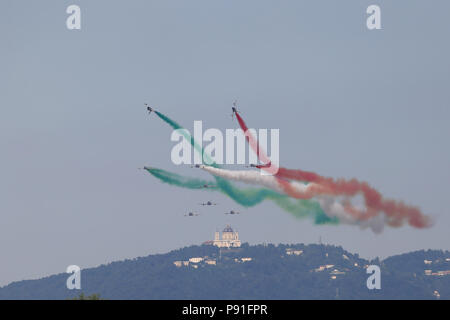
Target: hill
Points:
(251, 272)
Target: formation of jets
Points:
(208, 203)
(233, 108)
(194, 214)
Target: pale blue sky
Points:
(349, 102)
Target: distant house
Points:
(427, 261)
(196, 260)
(321, 268)
(178, 263)
(181, 263)
(291, 251)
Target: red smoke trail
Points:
(253, 142)
(395, 211)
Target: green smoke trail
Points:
(245, 197)
(180, 181)
(248, 197)
(187, 136)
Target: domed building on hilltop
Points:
(230, 239)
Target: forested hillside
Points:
(251, 272)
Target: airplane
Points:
(232, 212)
(208, 203)
(191, 214)
(195, 166)
(149, 109)
(259, 166)
(207, 186)
(234, 109)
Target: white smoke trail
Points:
(246, 176)
(329, 205)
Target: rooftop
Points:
(228, 229)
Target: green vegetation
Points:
(271, 274)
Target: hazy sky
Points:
(349, 102)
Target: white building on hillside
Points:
(230, 238)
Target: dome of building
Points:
(228, 229)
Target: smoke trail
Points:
(247, 197)
(187, 136)
(331, 207)
(251, 177)
(396, 212)
(260, 152)
(180, 181)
